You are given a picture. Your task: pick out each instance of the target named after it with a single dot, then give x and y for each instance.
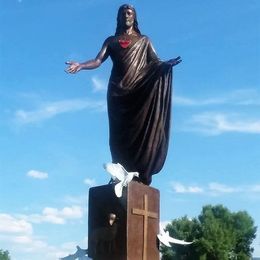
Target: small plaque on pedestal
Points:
(124, 228)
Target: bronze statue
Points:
(138, 97)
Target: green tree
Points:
(245, 234)
(217, 237)
(185, 229)
(218, 234)
(4, 255)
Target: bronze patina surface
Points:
(138, 97)
(132, 235)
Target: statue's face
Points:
(127, 17)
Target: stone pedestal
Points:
(133, 236)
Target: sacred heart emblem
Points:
(124, 43)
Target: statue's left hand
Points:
(73, 67)
(174, 62)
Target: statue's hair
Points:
(119, 28)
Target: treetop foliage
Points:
(218, 234)
(4, 255)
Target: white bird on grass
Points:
(166, 239)
(119, 173)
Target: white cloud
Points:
(22, 239)
(238, 97)
(184, 101)
(221, 188)
(215, 188)
(56, 216)
(12, 225)
(23, 245)
(98, 84)
(90, 182)
(245, 97)
(52, 109)
(216, 123)
(27, 243)
(37, 174)
(180, 188)
(219, 123)
(255, 188)
(16, 234)
(74, 212)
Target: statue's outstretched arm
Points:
(75, 67)
(174, 62)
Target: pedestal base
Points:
(133, 236)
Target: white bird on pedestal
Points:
(119, 173)
(166, 239)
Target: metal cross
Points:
(146, 214)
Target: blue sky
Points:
(54, 128)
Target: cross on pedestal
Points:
(146, 214)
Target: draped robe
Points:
(139, 107)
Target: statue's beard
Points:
(127, 23)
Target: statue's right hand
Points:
(73, 67)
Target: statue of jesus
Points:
(138, 97)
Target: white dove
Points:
(80, 255)
(119, 173)
(166, 239)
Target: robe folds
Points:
(139, 108)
